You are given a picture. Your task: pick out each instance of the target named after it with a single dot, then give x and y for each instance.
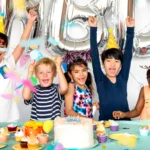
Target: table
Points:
(143, 143)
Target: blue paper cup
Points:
(144, 132)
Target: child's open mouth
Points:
(112, 70)
(45, 80)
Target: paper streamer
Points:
(7, 96)
(2, 71)
(36, 55)
(12, 75)
(29, 85)
(64, 65)
(36, 41)
(24, 59)
(52, 41)
(33, 80)
(4, 49)
(21, 85)
(71, 24)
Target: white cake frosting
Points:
(75, 133)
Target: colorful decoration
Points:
(33, 80)
(35, 41)
(29, 85)
(70, 56)
(47, 126)
(36, 55)
(52, 41)
(64, 65)
(24, 59)
(7, 96)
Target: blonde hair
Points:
(46, 61)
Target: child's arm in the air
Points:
(94, 50)
(63, 85)
(32, 15)
(130, 22)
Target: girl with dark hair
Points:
(78, 99)
(142, 107)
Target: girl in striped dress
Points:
(46, 101)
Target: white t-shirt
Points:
(9, 111)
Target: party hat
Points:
(2, 27)
(111, 41)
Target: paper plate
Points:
(2, 145)
(118, 135)
(94, 145)
(18, 147)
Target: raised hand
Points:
(130, 22)
(58, 61)
(31, 68)
(92, 21)
(32, 15)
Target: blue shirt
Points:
(112, 96)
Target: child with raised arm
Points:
(46, 101)
(142, 107)
(8, 108)
(78, 99)
(111, 86)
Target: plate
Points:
(95, 144)
(18, 147)
(2, 145)
(117, 136)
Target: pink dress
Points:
(145, 115)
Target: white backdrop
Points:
(136, 78)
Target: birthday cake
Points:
(74, 132)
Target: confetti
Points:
(52, 41)
(103, 147)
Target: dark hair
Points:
(4, 37)
(112, 53)
(148, 73)
(78, 61)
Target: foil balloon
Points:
(70, 30)
(142, 30)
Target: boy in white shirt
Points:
(8, 108)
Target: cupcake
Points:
(3, 135)
(24, 142)
(43, 138)
(100, 129)
(94, 125)
(102, 138)
(12, 127)
(114, 126)
(18, 135)
(144, 131)
(33, 143)
(33, 128)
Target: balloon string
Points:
(142, 29)
(141, 85)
